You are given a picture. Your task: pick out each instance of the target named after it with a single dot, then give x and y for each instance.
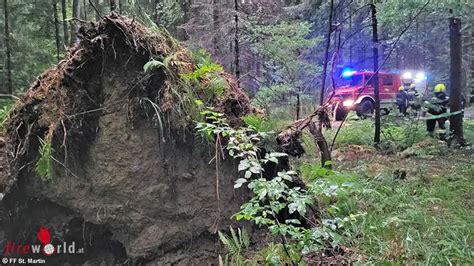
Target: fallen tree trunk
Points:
(289, 140)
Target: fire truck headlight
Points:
(420, 76)
(407, 75)
(348, 103)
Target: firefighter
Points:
(402, 100)
(413, 97)
(437, 106)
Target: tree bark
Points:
(84, 9)
(289, 140)
(326, 53)
(65, 29)
(236, 42)
(298, 105)
(350, 30)
(8, 49)
(76, 13)
(215, 26)
(322, 144)
(456, 123)
(375, 40)
(56, 29)
(112, 5)
(155, 11)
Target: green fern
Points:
(152, 65)
(5, 108)
(235, 243)
(202, 70)
(44, 166)
(165, 62)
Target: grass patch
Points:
(353, 132)
(469, 131)
(424, 217)
(411, 221)
(5, 107)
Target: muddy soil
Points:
(120, 189)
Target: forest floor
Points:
(418, 201)
(469, 112)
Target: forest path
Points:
(469, 112)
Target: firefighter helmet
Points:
(401, 88)
(439, 87)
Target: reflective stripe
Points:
(431, 117)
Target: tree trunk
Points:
(289, 140)
(56, 29)
(8, 49)
(375, 40)
(76, 13)
(65, 29)
(236, 42)
(156, 17)
(215, 26)
(456, 123)
(322, 144)
(326, 53)
(84, 9)
(350, 30)
(298, 105)
(112, 5)
(99, 10)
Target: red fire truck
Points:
(357, 93)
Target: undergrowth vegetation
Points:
(397, 133)
(417, 194)
(274, 196)
(423, 219)
(409, 203)
(5, 107)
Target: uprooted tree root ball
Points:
(103, 145)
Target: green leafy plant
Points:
(235, 243)
(271, 196)
(44, 166)
(152, 65)
(276, 254)
(206, 69)
(5, 109)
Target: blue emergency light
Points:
(347, 73)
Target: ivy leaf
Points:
(292, 208)
(256, 169)
(251, 185)
(243, 165)
(262, 194)
(278, 154)
(292, 221)
(248, 174)
(239, 182)
(291, 172)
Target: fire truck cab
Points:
(357, 93)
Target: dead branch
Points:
(322, 144)
(289, 140)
